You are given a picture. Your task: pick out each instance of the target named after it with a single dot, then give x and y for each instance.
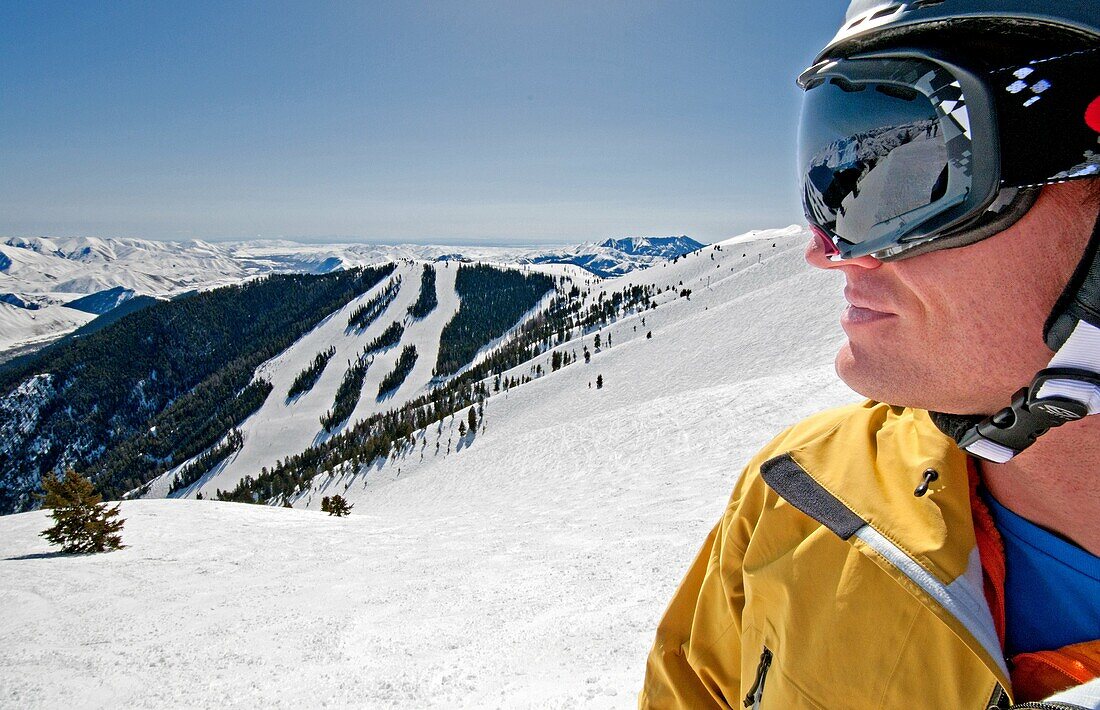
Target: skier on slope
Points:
(914, 551)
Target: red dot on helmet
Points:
(1092, 115)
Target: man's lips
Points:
(854, 315)
(863, 308)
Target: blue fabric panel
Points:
(1052, 589)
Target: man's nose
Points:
(820, 248)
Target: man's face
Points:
(960, 330)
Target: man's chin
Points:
(882, 379)
(878, 380)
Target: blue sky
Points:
(479, 121)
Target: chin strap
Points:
(1057, 395)
(1069, 388)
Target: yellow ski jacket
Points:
(829, 584)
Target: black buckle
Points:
(1017, 426)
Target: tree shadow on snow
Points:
(39, 556)
(465, 441)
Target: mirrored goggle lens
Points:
(881, 159)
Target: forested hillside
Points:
(493, 300)
(157, 387)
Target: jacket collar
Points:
(858, 477)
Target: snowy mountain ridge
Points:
(50, 273)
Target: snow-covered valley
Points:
(524, 565)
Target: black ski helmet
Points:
(995, 34)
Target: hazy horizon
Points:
(339, 240)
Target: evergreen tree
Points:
(82, 521)
(338, 506)
(326, 505)
(599, 382)
(597, 341)
(472, 419)
(462, 429)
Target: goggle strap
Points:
(1081, 298)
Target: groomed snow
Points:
(526, 567)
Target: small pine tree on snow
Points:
(599, 382)
(597, 343)
(462, 429)
(649, 335)
(82, 521)
(326, 504)
(472, 419)
(337, 506)
(587, 355)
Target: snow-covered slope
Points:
(22, 326)
(524, 566)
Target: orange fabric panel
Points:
(991, 550)
(1041, 674)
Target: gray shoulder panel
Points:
(789, 480)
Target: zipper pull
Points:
(930, 475)
(999, 699)
(752, 699)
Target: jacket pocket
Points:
(756, 692)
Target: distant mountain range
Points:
(51, 286)
(616, 257)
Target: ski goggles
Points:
(903, 152)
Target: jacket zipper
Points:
(998, 702)
(756, 692)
